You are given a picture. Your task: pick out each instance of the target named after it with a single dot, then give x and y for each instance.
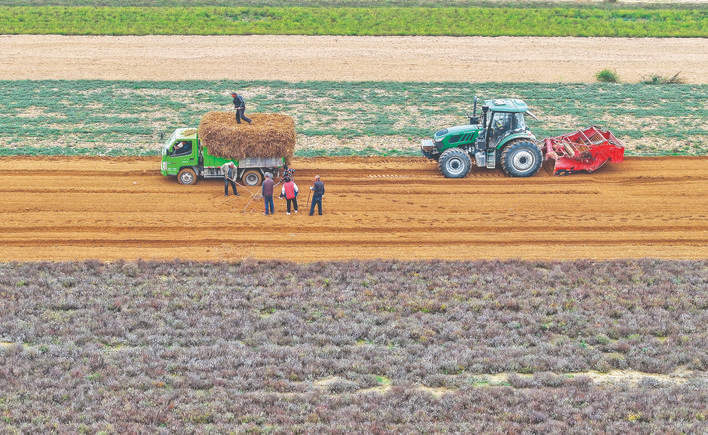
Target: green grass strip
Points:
(134, 117)
(648, 4)
(561, 21)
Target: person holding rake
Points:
(318, 191)
(229, 171)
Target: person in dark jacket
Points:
(240, 106)
(229, 171)
(318, 191)
(267, 192)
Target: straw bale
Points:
(270, 135)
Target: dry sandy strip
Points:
(302, 58)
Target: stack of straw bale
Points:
(270, 135)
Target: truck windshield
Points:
(169, 141)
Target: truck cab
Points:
(180, 155)
(184, 156)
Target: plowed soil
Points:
(109, 209)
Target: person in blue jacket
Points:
(240, 106)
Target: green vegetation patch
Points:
(523, 4)
(448, 21)
(85, 117)
(602, 4)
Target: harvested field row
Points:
(349, 58)
(398, 208)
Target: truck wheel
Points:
(252, 177)
(521, 159)
(455, 163)
(187, 176)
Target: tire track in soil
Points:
(111, 209)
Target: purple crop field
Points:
(354, 347)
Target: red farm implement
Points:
(583, 150)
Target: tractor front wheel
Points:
(187, 176)
(455, 163)
(521, 159)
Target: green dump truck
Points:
(186, 157)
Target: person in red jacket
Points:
(289, 191)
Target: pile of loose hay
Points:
(270, 135)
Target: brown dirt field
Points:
(58, 208)
(339, 58)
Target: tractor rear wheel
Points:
(187, 176)
(521, 159)
(252, 177)
(455, 163)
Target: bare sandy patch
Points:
(350, 58)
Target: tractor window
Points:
(518, 122)
(502, 121)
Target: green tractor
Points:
(501, 139)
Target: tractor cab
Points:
(502, 119)
(503, 124)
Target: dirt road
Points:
(302, 58)
(110, 209)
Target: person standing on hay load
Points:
(289, 191)
(240, 106)
(229, 171)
